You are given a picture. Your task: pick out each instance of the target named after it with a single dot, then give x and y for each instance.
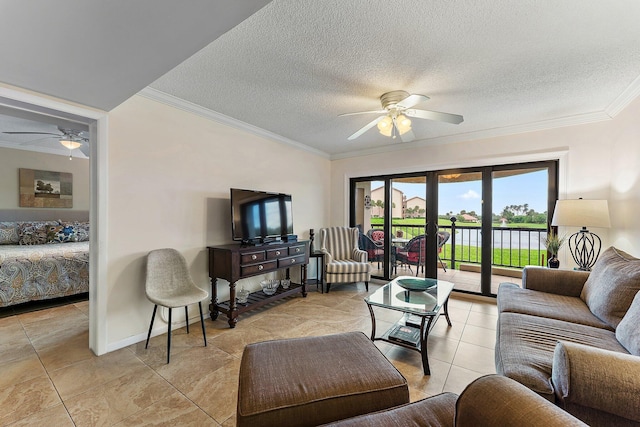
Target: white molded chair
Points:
(168, 283)
(344, 261)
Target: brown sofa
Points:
(489, 401)
(573, 337)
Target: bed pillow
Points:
(34, 233)
(81, 229)
(9, 233)
(627, 331)
(612, 285)
(61, 234)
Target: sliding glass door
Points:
(475, 227)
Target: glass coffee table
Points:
(421, 300)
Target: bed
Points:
(42, 260)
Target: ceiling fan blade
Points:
(35, 141)
(363, 112)
(86, 150)
(32, 133)
(365, 128)
(407, 136)
(435, 115)
(412, 100)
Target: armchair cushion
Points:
(612, 285)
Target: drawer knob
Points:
(277, 252)
(297, 249)
(292, 261)
(260, 267)
(253, 257)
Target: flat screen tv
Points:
(259, 216)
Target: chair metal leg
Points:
(204, 334)
(186, 316)
(442, 264)
(153, 316)
(169, 338)
(328, 287)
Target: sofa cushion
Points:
(628, 331)
(512, 298)
(9, 233)
(525, 346)
(611, 286)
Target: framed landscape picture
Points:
(45, 189)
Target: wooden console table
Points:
(234, 262)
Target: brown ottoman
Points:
(315, 380)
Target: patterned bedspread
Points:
(38, 272)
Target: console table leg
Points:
(213, 311)
(304, 280)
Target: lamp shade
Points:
(581, 213)
(385, 126)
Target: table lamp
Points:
(583, 245)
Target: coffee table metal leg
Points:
(446, 311)
(424, 331)
(373, 323)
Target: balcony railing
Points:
(512, 247)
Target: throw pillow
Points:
(34, 233)
(627, 332)
(61, 234)
(612, 285)
(81, 229)
(9, 233)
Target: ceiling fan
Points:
(397, 108)
(69, 138)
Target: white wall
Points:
(598, 161)
(11, 160)
(169, 177)
(624, 204)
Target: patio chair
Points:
(376, 235)
(413, 253)
(375, 251)
(443, 237)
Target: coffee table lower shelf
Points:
(427, 322)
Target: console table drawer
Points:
(286, 262)
(251, 257)
(297, 250)
(263, 267)
(276, 253)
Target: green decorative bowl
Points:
(416, 284)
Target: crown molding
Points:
(624, 99)
(181, 104)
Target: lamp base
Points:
(585, 248)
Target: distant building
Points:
(398, 199)
(411, 205)
(469, 218)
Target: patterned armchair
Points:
(344, 262)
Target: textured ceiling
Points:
(506, 66)
(291, 67)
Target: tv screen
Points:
(258, 215)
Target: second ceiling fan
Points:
(397, 108)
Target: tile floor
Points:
(49, 376)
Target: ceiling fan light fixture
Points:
(70, 143)
(403, 123)
(385, 126)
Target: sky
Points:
(529, 188)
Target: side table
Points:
(319, 280)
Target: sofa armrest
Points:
(554, 281)
(595, 378)
(494, 400)
(328, 259)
